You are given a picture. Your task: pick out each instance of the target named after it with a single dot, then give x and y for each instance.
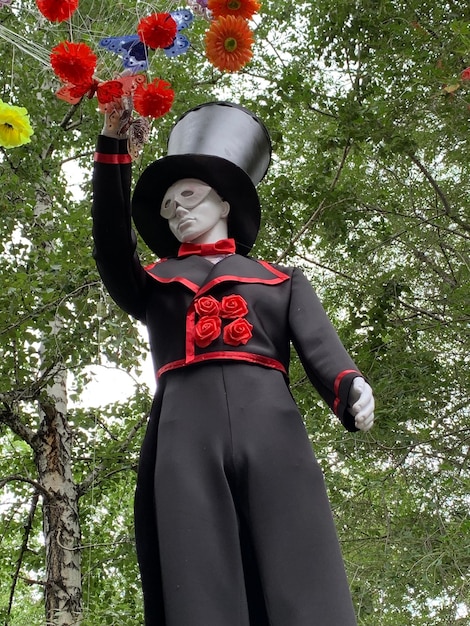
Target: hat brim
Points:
(230, 182)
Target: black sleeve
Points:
(114, 240)
(326, 362)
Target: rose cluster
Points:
(75, 64)
(212, 312)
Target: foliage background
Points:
(368, 192)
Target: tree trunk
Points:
(63, 586)
(63, 590)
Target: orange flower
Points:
(157, 30)
(73, 62)
(154, 99)
(242, 8)
(228, 43)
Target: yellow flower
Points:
(15, 129)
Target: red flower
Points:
(109, 91)
(207, 305)
(238, 332)
(465, 75)
(157, 30)
(206, 330)
(243, 8)
(73, 62)
(57, 10)
(233, 306)
(228, 43)
(154, 99)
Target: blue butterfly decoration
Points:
(180, 45)
(134, 53)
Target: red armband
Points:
(112, 159)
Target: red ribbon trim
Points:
(190, 330)
(279, 278)
(256, 359)
(112, 159)
(274, 270)
(336, 387)
(175, 279)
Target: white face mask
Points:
(187, 193)
(195, 212)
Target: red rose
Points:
(57, 10)
(73, 62)
(465, 75)
(207, 305)
(238, 332)
(109, 91)
(233, 306)
(157, 30)
(153, 99)
(206, 330)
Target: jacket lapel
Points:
(241, 269)
(190, 271)
(200, 275)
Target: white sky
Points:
(109, 384)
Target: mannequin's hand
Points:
(115, 118)
(361, 404)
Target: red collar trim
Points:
(277, 276)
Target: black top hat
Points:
(222, 144)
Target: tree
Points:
(368, 191)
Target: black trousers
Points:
(245, 531)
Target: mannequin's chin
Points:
(187, 234)
(193, 236)
(189, 238)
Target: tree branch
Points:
(88, 153)
(24, 546)
(11, 419)
(64, 124)
(421, 256)
(18, 478)
(92, 478)
(329, 269)
(49, 305)
(439, 192)
(321, 207)
(416, 309)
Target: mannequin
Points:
(233, 525)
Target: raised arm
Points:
(114, 239)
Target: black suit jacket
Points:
(281, 305)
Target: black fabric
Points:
(233, 525)
(241, 506)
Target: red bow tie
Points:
(223, 246)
